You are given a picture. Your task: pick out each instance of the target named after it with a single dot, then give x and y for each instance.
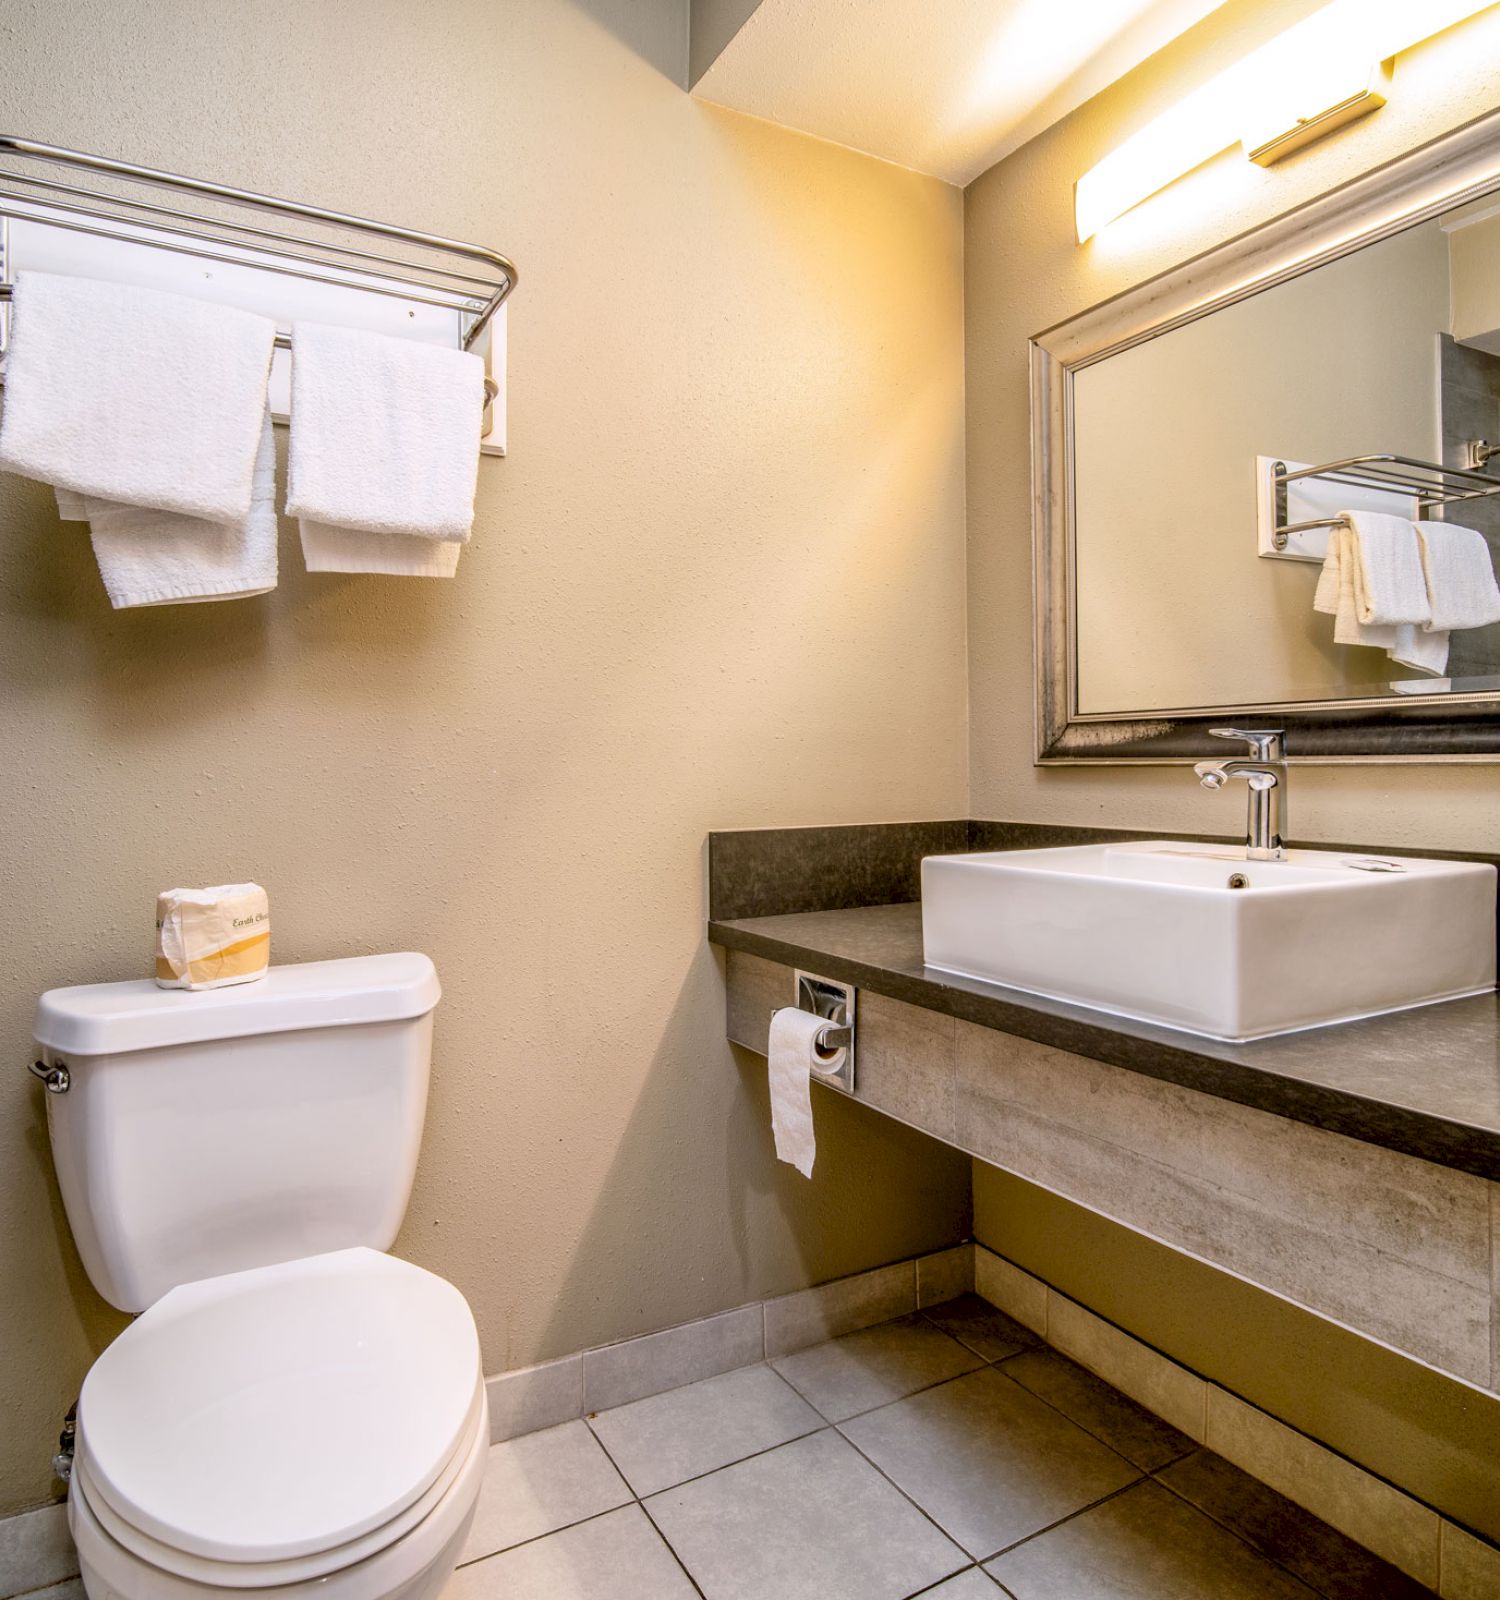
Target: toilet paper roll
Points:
(207, 938)
(794, 1036)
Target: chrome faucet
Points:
(1265, 772)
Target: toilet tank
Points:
(207, 1132)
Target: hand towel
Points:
(398, 555)
(1378, 560)
(1374, 587)
(1335, 595)
(1460, 576)
(157, 558)
(384, 450)
(135, 396)
(1419, 647)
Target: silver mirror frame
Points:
(1451, 170)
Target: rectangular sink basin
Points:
(1197, 937)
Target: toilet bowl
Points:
(295, 1412)
(315, 1426)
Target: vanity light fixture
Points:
(1330, 69)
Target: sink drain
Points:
(1238, 880)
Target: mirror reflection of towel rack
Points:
(436, 288)
(1429, 484)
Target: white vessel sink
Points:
(1196, 937)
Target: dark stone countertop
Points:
(1425, 1082)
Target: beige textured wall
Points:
(1024, 271)
(717, 583)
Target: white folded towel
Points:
(156, 558)
(384, 451)
(1373, 586)
(1419, 647)
(1460, 575)
(398, 555)
(135, 396)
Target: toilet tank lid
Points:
(96, 1019)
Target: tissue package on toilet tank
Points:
(206, 938)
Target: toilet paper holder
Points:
(833, 1059)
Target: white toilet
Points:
(294, 1411)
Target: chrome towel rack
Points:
(1432, 485)
(470, 279)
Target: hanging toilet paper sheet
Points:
(794, 1036)
(206, 938)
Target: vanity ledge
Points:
(1424, 1082)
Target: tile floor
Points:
(946, 1454)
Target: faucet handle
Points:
(1265, 743)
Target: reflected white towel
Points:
(135, 396)
(1460, 575)
(1420, 648)
(1374, 587)
(384, 450)
(156, 558)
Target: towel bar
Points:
(1432, 485)
(470, 279)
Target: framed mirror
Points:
(1198, 442)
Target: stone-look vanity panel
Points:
(1422, 1082)
(1394, 1247)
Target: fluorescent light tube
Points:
(1309, 80)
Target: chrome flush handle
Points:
(56, 1078)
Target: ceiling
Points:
(947, 87)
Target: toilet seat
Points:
(298, 1569)
(270, 1426)
(415, 1567)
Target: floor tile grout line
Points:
(588, 1422)
(672, 1550)
(1072, 1516)
(567, 1527)
(1145, 1472)
(1047, 1349)
(931, 1588)
(937, 1383)
(1260, 1550)
(535, 1538)
(896, 1400)
(995, 1366)
(1035, 1340)
(972, 1560)
(824, 1426)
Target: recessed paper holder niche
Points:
(87, 216)
(1297, 503)
(833, 1062)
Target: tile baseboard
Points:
(553, 1392)
(1454, 1563)
(36, 1550)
